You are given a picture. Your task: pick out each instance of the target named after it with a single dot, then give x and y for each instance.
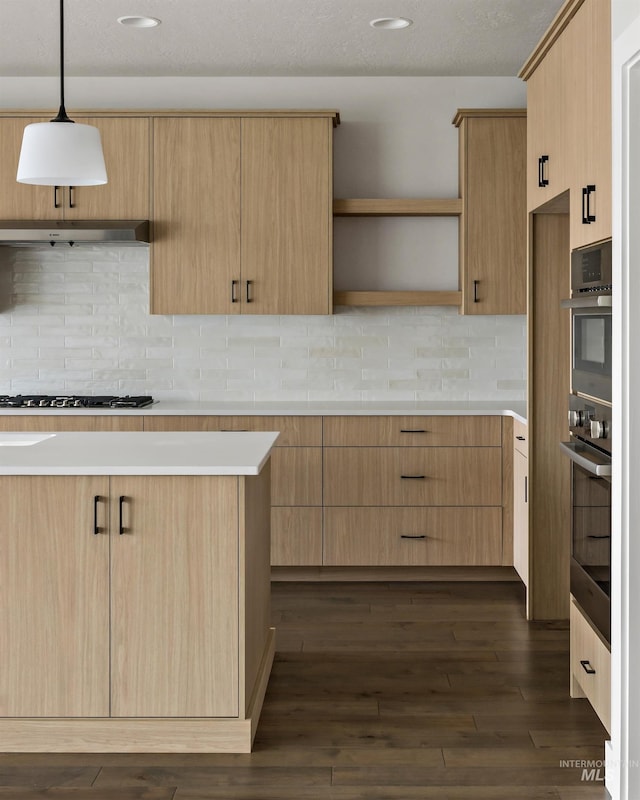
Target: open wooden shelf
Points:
(396, 207)
(409, 298)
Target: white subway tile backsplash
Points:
(76, 320)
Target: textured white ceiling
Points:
(272, 37)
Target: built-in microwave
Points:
(590, 305)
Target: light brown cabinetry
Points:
(412, 476)
(61, 422)
(407, 491)
(126, 146)
(547, 171)
(590, 665)
(521, 501)
(54, 579)
(133, 597)
(196, 216)
(412, 537)
(493, 225)
(569, 110)
(587, 46)
(19, 200)
(242, 215)
(296, 482)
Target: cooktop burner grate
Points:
(74, 401)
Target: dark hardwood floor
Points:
(381, 692)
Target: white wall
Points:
(623, 754)
(623, 13)
(396, 139)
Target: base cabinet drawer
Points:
(412, 431)
(296, 537)
(80, 422)
(413, 537)
(590, 665)
(294, 431)
(413, 476)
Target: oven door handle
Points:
(591, 465)
(589, 301)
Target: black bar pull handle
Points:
(542, 180)
(520, 438)
(121, 501)
(590, 190)
(248, 295)
(411, 536)
(413, 477)
(56, 201)
(586, 666)
(234, 295)
(587, 216)
(412, 430)
(71, 203)
(96, 528)
(526, 489)
(475, 291)
(604, 536)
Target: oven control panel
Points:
(590, 421)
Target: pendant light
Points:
(61, 152)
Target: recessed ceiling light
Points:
(139, 22)
(391, 23)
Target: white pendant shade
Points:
(61, 154)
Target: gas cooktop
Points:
(73, 401)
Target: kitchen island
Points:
(134, 582)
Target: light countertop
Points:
(518, 410)
(118, 453)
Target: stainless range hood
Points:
(22, 233)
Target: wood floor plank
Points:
(464, 776)
(591, 734)
(204, 777)
(513, 792)
(518, 756)
(26, 775)
(126, 793)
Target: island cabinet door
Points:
(174, 596)
(54, 596)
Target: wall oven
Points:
(589, 448)
(590, 305)
(590, 453)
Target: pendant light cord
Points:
(62, 112)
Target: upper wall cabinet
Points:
(242, 215)
(126, 146)
(125, 142)
(195, 257)
(547, 172)
(588, 68)
(18, 200)
(493, 233)
(569, 110)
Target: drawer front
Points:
(413, 476)
(296, 476)
(296, 537)
(294, 431)
(412, 431)
(75, 422)
(588, 653)
(412, 537)
(520, 437)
